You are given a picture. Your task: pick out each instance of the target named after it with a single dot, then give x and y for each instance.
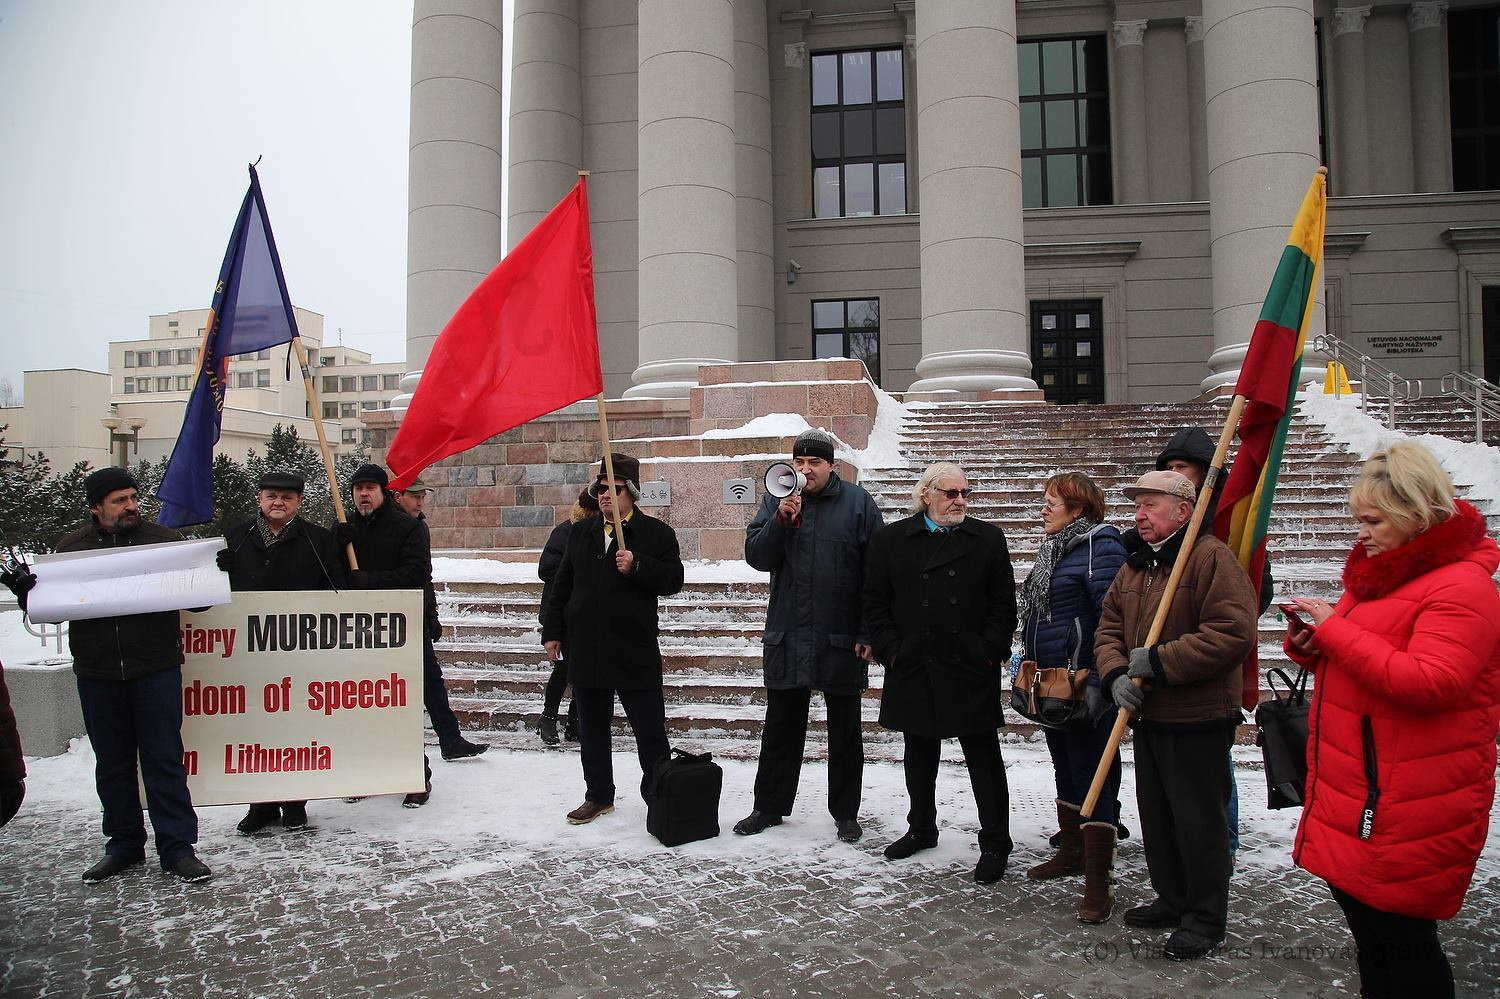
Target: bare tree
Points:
(9, 397)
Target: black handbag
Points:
(684, 798)
(1282, 738)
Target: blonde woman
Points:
(1401, 748)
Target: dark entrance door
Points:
(1067, 350)
(1492, 334)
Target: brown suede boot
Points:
(1098, 872)
(1069, 856)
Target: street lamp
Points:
(131, 435)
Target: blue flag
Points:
(251, 311)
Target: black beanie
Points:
(370, 473)
(105, 481)
(813, 444)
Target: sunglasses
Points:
(954, 494)
(600, 489)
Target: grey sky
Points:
(125, 128)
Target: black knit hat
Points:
(283, 480)
(370, 473)
(814, 443)
(106, 480)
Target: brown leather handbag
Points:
(1051, 696)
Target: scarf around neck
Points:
(1367, 577)
(1036, 592)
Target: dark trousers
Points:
(1075, 758)
(557, 684)
(986, 775)
(647, 713)
(783, 740)
(140, 718)
(1182, 788)
(1398, 955)
(435, 697)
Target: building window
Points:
(1064, 85)
(369, 406)
(369, 383)
(858, 133)
(330, 411)
(182, 383)
(262, 355)
(171, 324)
(130, 359)
(142, 385)
(185, 356)
(143, 359)
(390, 382)
(163, 358)
(1067, 350)
(1474, 97)
(325, 362)
(246, 379)
(330, 385)
(348, 410)
(130, 386)
(848, 328)
(312, 358)
(263, 378)
(348, 384)
(350, 436)
(164, 385)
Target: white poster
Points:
(300, 694)
(136, 579)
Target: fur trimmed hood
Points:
(1368, 577)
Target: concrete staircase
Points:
(711, 631)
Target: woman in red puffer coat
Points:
(1401, 735)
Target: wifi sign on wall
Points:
(739, 491)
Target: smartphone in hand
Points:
(1290, 610)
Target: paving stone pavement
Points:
(351, 910)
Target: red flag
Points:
(524, 343)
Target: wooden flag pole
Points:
(609, 472)
(1190, 536)
(317, 420)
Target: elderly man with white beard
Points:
(940, 603)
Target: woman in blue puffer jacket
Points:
(1058, 607)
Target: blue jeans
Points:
(1075, 757)
(141, 717)
(435, 698)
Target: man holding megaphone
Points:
(810, 534)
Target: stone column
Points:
(687, 253)
(546, 111)
(453, 211)
(1262, 112)
(1130, 112)
(1432, 154)
(1351, 117)
(1192, 28)
(755, 316)
(974, 330)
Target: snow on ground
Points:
(480, 570)
(19, 648)
(1475, 465)
(518, 800)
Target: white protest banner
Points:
(300, 694)
(136, 579)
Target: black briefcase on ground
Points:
(684, 803)
(1282, 737)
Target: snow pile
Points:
(1472, 465)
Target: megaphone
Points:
(783, 480)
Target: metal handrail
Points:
(1482, 395)
(44, 631)
(1397, 387)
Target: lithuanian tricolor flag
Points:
(1268, 381)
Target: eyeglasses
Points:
(601, 488)
(953, 494)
